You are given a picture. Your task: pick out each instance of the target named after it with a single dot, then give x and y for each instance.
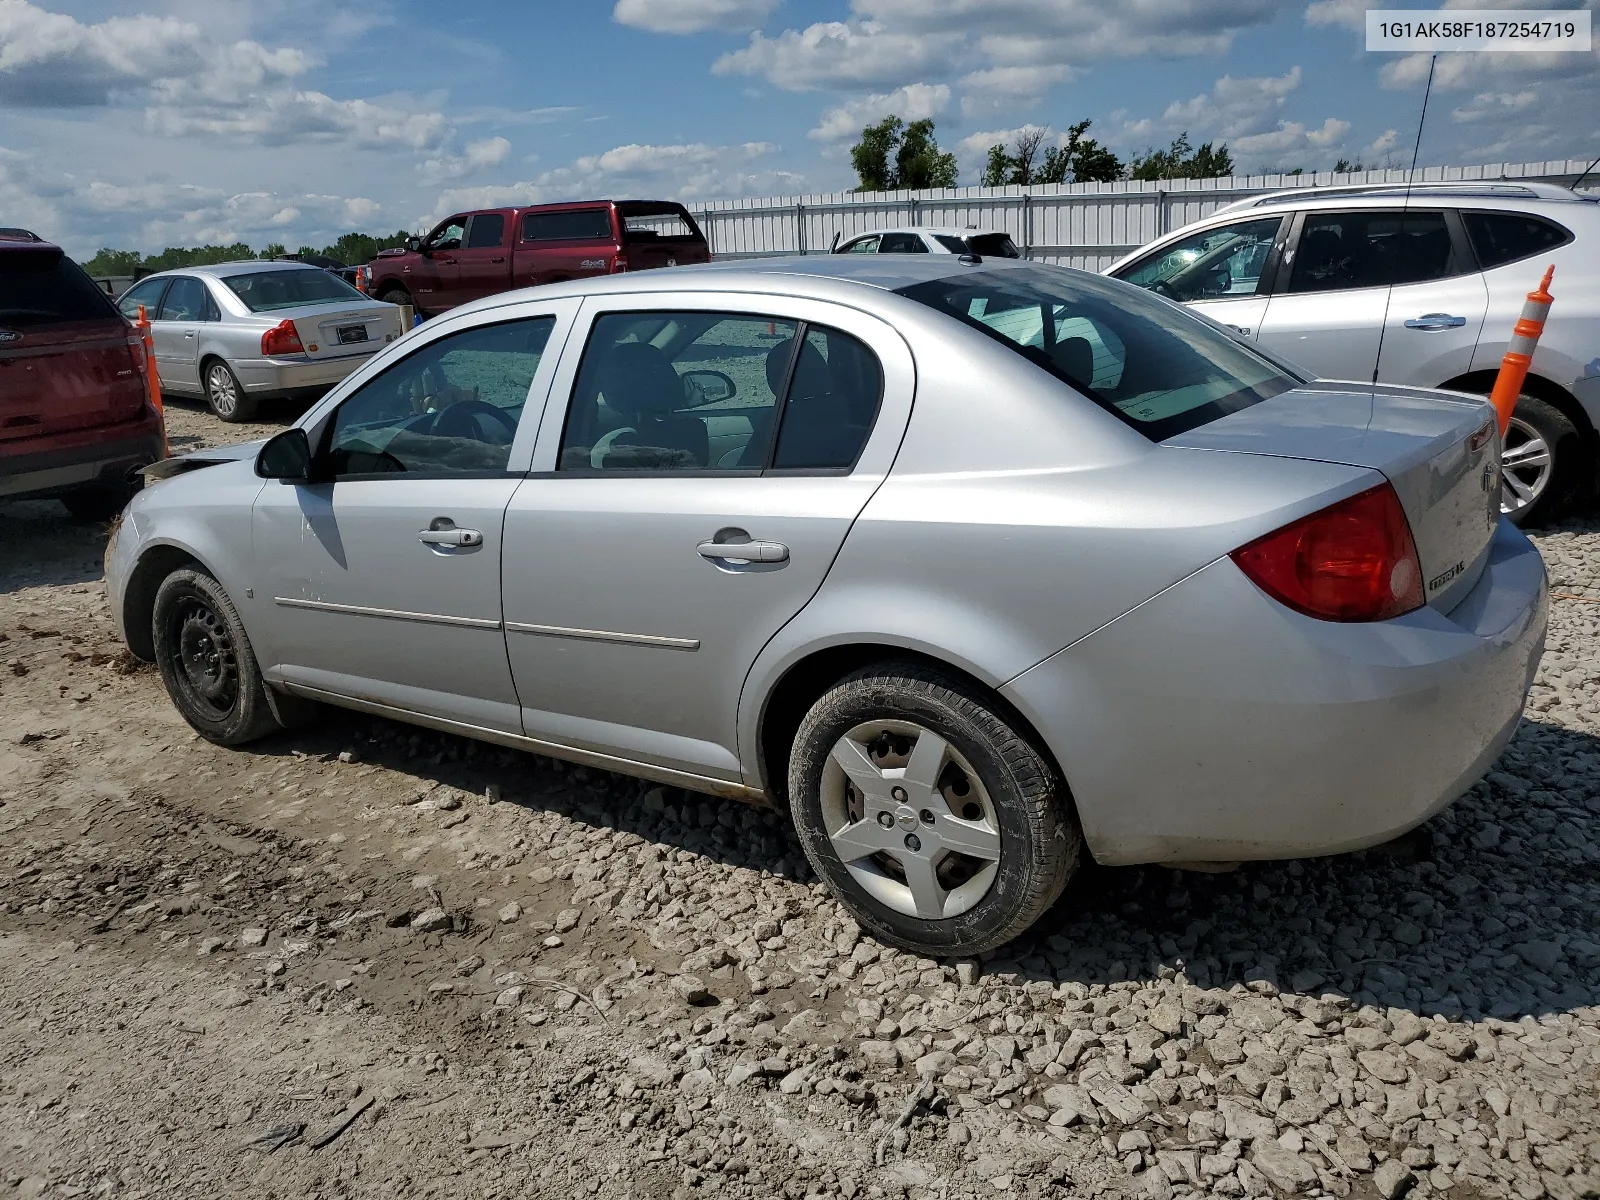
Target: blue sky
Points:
(169, 122)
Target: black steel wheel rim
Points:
(203, 652)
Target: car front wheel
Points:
(1541, 463)
(223, 393)
(206, 661)
(941, 828)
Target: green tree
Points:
(357, 248)
(1079, 160)
(197, 256)
(274, 250)
(1181, 161)
(1347, 166)
(112, 262)
(893, 155)
(1017, 165)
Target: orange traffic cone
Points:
(152, 380)
(1519, 354)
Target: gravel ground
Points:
(364, 959)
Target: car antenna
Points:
(1585, 175)
(1405, 204)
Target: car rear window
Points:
(588, 224)
(44, 287)
(263, 291)
(1501, 237)
(1145, 360)
(993, 245)
(657, 221)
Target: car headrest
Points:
(811, 374)
(1074, 358)
(637, 379)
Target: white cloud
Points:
(478, 156)
(1235, 106)
(692, 16)
(840, 54)
(912, 102)
(1352, 14)
(1009, 83)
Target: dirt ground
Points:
(367, 960)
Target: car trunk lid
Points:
(1438, 452)
(339, 331)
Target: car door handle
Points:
(450, 537)
(188, 333)
(755, 552)
(497, 260)
(1432, 321)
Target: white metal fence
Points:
(1087, 225)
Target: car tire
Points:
(223, 393)
(399, 296)
(98, 504)
(206, 661)
(1543, 463)
(951, 852)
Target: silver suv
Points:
(1418, 287)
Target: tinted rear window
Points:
(263, 291)
(1144, 360)
(44, 287)
(1502, 237)
(994, 245)
(488, 230)
(589, 225)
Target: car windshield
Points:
(1143, 359)
(42, 287)
(263, 291)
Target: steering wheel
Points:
(1162, 288)
(457, 420)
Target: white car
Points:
(1419, 287)
(933, 239)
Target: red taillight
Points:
(619, 264)
(281, 339)
(1353, 561)
(136, 348)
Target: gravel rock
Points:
(431, 920)
(1283, 1167)
(509, 912)
(253, 936)
(1393, 1179)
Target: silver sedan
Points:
(238, 333)
(968, 565)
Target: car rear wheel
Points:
(206, 661)
(223, 393)
(940, 827)
(98, 503)
(1541, 464)
(399, 296)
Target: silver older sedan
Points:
(238, 333)
(968, 565)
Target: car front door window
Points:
(147, 293)
(866, 245)
(451, 407)
(185, 300)
(1214, 263)
(448, 236)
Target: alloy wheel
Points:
(208, 668)
(222, 390)
(910, 819)
(1526, 465)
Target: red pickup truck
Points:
(490, 250)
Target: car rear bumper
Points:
(286, 376)
(65, 462)
(1210, 723)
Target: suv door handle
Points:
(755, 552)
(450, 537)
(1432, 321)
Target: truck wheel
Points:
(395, 294)
(1542, 464)
(223, 393)
(941, 828)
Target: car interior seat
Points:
(638, 381)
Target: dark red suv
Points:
(76, 417)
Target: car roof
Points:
(246, 266)
(1472, 192)
(947, 230)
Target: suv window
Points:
(147, 292)
(1501, 237)
(1142, 359)
(831, 404)
(452, 406)
(902, 243)
(677, 391)
(867, 245)
(994, 245)
(44, 287)
(1342, 250)
(487, 231)
(588, 224)
(185, 300)
(1210, 264)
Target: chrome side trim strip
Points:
(389, 614)
(516, 741)
(605, 635)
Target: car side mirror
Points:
(707, 387)
(286, 457)
(414, 245)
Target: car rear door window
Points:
(677, 391)
(953, 244)
(486, 232)
(185, 300)
(588, 224)
(451, 407)
(1501, 237)
(902, 243)
(1338, 251)
(993, 245)
(832, 400)
(147, 293)
(44, 287)
(1226, 261)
